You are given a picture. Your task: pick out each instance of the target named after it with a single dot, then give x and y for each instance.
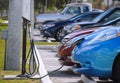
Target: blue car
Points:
(110, 14)
(53, 29)
(99, 54)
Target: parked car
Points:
(69, 11)
(98, 54)
(110, 14)
(68, 42)
(74, 34)
(53, 29)
(65, 49)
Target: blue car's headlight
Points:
(75, 40)
(48, 25)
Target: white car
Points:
(70, 10)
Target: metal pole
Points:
(24, 46)
(23, 72)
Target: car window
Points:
(86, 18)
(64, 10)
(73, 10)
(98, 18)
(85, 9)
(114, 15)
(89, 17)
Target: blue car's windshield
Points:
(76, 17)
(101, 15)
(113, 22)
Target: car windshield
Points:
(71, 10)
(64, 10)
(101, 15)
(76, 17)
(114, 21)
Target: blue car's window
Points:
(113, 22)
(114, 15)
(102, 15)
(107, 15)
(84, 17)
(76, 17)
(89, 17)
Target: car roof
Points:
(79, 4)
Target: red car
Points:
(68, 43)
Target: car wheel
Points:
(59, 34)
(116, 70)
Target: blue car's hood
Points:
(101, 34)
(98, 50)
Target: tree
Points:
(3, 7)
(61, 3)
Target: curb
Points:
(54, 48)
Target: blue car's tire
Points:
(58, 36)
(116, 70)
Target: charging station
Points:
(23, 11)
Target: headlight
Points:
(64, 40)
(71, 28)
(77, 27)
(72, 41)
(68, 27)
(48, 25)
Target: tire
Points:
(58, 35)
(116, 70)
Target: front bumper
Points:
(66, 61)
(64, 53)
(45, 33)
(92, 72)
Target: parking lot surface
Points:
(64, 75)
(51, 63)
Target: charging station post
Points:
(26, 20)
(24, 46)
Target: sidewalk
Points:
(51, 63)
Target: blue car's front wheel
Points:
(116, 70)
(58, 35)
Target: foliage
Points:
(40, 4)
(3, 7)
(61, 3)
